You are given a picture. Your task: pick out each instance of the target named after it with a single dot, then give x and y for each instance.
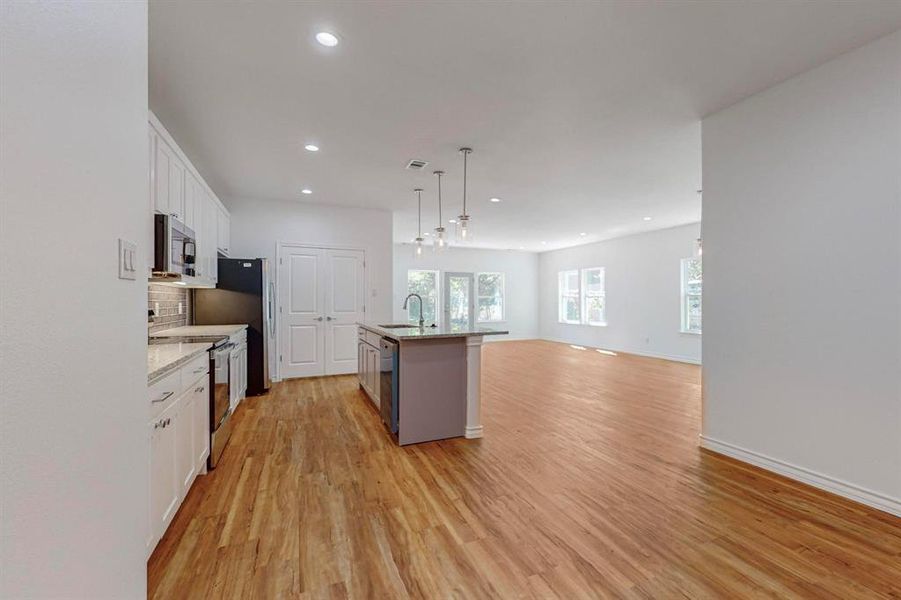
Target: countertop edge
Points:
(161, 372)
(388, 333)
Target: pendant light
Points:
(700, 248)
(464, 224)
(440, 243)
(417, 246)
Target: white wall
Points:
(802, 276)
(257, 226)
(73, 361)
(643, 274)
(520, 271)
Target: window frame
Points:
(502, 296)
(684, 296)
(437, 291)
(586, 295)
(561, 305)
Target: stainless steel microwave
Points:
(174, 248)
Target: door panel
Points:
(344, 309)
(301, 312)
(459, 300)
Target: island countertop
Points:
(200, 330)
(413, 332)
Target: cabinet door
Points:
(163, 158)
(361, 363)
(201, 422)
(164, 494)
(223, 231)
(210, 236)
(151, 135)
(176, 188)
(190, 202)
(184, 441)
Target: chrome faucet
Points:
(407, 299)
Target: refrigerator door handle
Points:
(271, 308)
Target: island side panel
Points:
(432, 403)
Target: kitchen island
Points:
(425, 382)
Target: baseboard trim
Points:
(818, 480)
(672, 357)
(473, 433)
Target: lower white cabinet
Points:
(368, 363)
(164, 489)
(179, 443)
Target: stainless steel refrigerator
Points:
(244, 294)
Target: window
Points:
(490, 297)
(582, 297)
(569, 300)
(594, 305)
(691, 295)
(424, 283)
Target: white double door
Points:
(321, 299)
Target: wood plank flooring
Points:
(589, 483)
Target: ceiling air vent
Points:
(417, 165)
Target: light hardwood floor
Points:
(589, 483)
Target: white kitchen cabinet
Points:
(201, 422)
(169, 191)
(177, 189)
(184, 442)
(151, 209)
(224, 233)
(368, 364)
(164, 488)
(179, 441)
(192, 191)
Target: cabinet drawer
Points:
(163, 393)
(239, 338)
(373, 338)
(194, 369)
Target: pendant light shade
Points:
(440, 243)
(464, 222)
(700, 247)
(417, 243)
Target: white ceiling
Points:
(583, 116)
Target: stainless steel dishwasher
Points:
(388, 382)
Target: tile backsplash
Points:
(164, 300)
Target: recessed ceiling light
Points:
(495, 199)
(312, 147)
(427, 233)
(522, 247)
(583, 234)
(544, 243)
(452, 220)
(306, 191)
(327, 39)
(646, 218)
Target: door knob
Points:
(318, 318)
(329, 319)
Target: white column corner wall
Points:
(73, 347)
(802, 277)
(643, 287)
(473, 387)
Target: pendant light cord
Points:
(440, 219)
(419, 202)
(465, 154)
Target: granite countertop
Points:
(162, 359)
(415, 333)
(199, 330)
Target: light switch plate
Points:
(127, 259)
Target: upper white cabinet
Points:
(177, 189)
(224, 231)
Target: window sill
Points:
(501, 322)
(583, 324)
(686, 332)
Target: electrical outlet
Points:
(180, 308)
